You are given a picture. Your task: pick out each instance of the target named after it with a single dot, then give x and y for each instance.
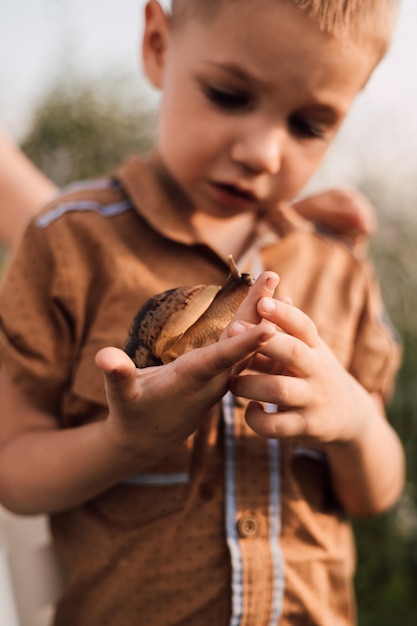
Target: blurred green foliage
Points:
(79, 132)
(387, 545)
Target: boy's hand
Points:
(318, 400)
(155, 408)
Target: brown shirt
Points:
(231, 528)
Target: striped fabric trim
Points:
(231, 530)
(176, 478)
(275, 531)
(108, 210)
(274, 521)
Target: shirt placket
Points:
(252, 521)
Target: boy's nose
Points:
(260, 152)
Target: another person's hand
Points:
(346, 213)
(23, 190)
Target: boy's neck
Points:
(231, 235)
(225, 236)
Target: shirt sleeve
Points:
(35, 324)
(378, 350)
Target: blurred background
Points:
(72, 95)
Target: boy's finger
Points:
(290, 319)
(264, 285)
(286, 391)
(118, 369)
(279, 425)
(243, 343)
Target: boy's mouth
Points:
(237, 191)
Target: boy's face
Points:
(251, 100)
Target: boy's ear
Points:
(155, 42)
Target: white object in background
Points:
(8, 609)
(32, 570)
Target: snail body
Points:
(184, 318)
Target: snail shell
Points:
(184, 318)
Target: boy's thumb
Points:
(118, 369)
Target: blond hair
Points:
(365, 21)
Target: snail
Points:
(184, 318)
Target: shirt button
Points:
(248, 526)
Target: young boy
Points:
(197, 492)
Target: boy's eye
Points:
(226, 99)
(304, 128)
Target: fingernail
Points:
(271, 284)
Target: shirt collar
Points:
(154, 203)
